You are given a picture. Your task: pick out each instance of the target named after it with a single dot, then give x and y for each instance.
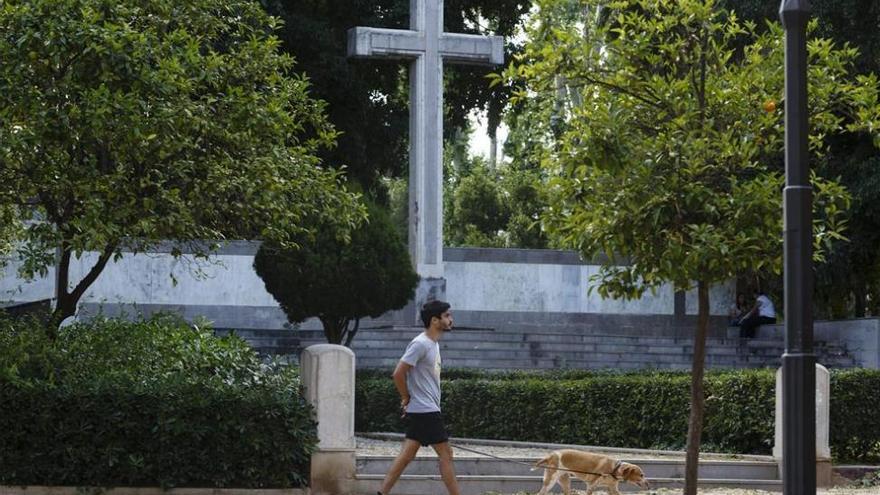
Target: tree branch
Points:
(96, 270)
(63, 274)
(619, 89)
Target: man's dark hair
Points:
(433, 309)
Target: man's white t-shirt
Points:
(765, 307)
(423, 379)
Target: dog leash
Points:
(532, 465)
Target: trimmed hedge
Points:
(151, 403)
(855, 420)
(633, 409)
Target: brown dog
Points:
(593, 469)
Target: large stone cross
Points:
(427, 47)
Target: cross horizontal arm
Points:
(472, 49)
(367, 42)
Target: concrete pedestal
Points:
(328, 383)
(823, 424)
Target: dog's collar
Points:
(616, 467)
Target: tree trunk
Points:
(351, 332)
(860, 293)
(493, 122)
(66, 301)
(332, 332)
(493, 149)
(459, 151)
(336, 329)
(695, 422)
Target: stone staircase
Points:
(483, 475)
(381, 347)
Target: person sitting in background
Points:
(738, 310)
(762, 313)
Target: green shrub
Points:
(339, 280)
(855, 422)
(629, 409)
(156, 402)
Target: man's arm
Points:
(399, 377)
(751, 312)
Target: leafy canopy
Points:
(340, 282)
(134, 122)
(659, 137)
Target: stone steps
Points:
(482, 484)
(480, 348)
(578, 356)
(520, 466)
(369, 337)
(713, 348)
(610, 364)
(481, 475)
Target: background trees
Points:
(660, 119)
(367, 100)
(125, 124)
(849, 283)
(494, 206)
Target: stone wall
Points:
(532, 280)
(226, 289)
(16, 290)
(860, 336)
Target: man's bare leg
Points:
(407, 453)
(447, 470)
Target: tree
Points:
(124, 124)
(849, 283)
(493, 207)
(9, 231)
(666, 113)
(337, 281)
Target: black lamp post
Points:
(798, 362)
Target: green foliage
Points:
(9, 230)
(488, 207)
(150, 403)
(133, 123)
(870, 479)
(849, 283)
(855, 431)
(659, 140)
(844, 21)
(661, 122)
(633, 409)
(339, 280)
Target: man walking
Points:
(417, 379)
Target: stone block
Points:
(328, 382)
(333, 473)
(823, 424)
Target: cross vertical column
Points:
(425, 46)
(426, 142)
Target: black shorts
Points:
(426, 428)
